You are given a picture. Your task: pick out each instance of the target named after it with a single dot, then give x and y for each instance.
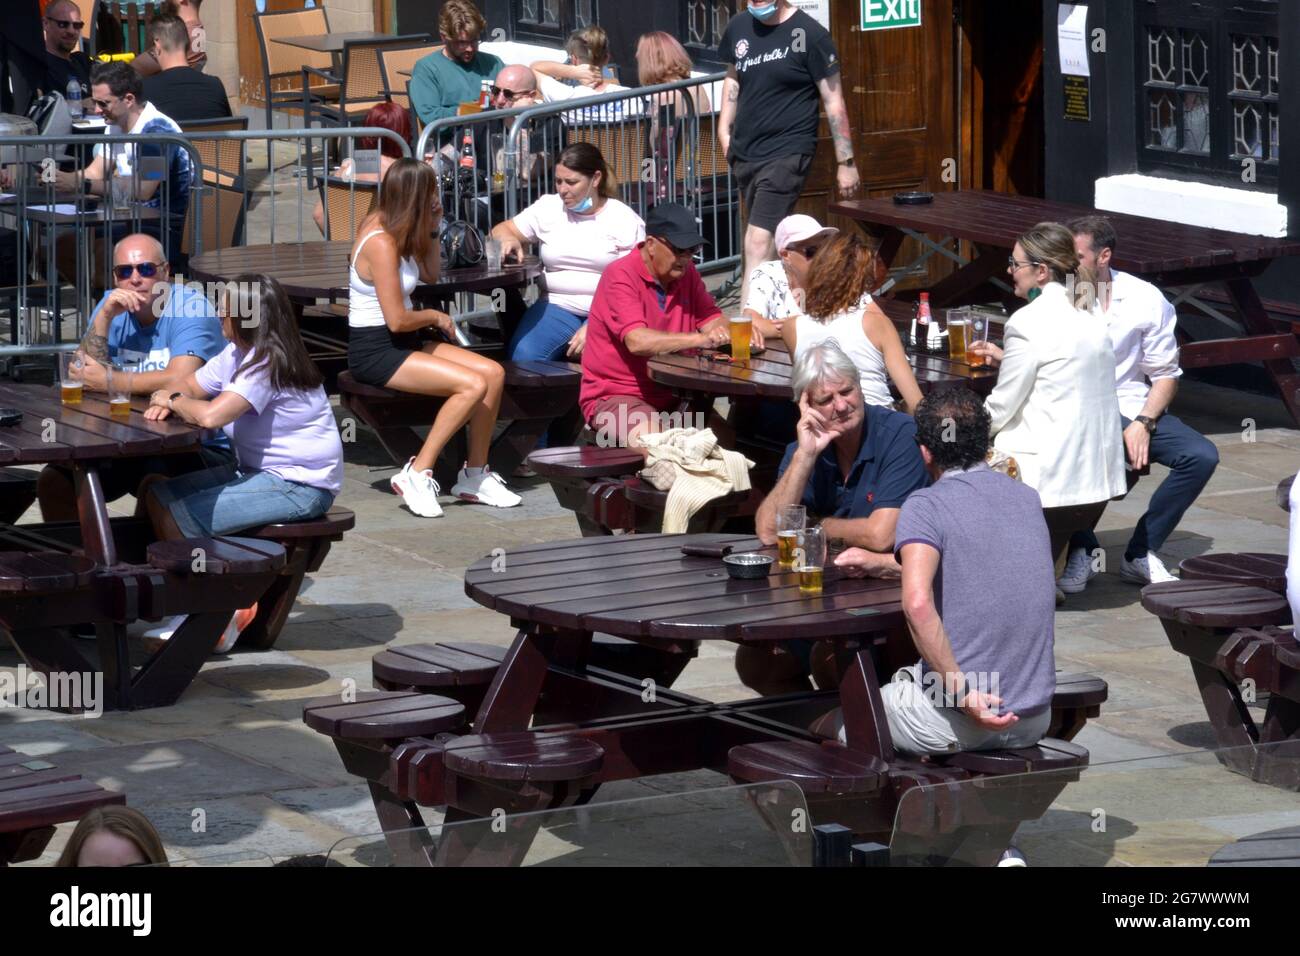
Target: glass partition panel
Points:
(1191, 809)
(752, 825)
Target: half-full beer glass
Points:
(790, 521)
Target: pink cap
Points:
(800, 228)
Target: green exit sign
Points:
(887, 14)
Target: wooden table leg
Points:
(1255, 318)
(51, 651)
(92, 512)
(512, 696)
(166, 674)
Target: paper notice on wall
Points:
(1072, 35)
(819, 10)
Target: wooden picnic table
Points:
(52, 581)
(319, 270)
(1179, 258)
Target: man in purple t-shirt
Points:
(979, 594)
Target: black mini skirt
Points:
(375, 353)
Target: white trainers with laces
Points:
(485, 488)
(1148, 569)
(1078, 572)
(418, 490)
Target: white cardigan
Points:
(1055, 408)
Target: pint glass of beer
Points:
(742, 328)
(790, 522)
(811, 559)
(119, 392)
(958, 326)
(70, 369)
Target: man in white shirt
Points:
(1140, 323)
(777, 287)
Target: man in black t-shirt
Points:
(180, 91)
(63, 61)
(782, 66)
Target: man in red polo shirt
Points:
(651, 302)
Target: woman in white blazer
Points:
(1055, 408)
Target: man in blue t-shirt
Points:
(852, 465)
(157, 331)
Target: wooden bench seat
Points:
(383, 715)
(305, 543)
(815, 768)
(1076, 700)
(1238, 649)
(459, 671)
(1047, 754)
(524, 756)
(36, 796)
(1254, 569)
(44, 572)
(214, 556)
(535, 395)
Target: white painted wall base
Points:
(1195, 204)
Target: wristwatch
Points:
(172, 397)
(1147, 422)
(847, 162)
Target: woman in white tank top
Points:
(839, 306)
(394, 250)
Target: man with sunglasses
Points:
(444, 79)
(777, 287)
(159, 331)
(63, 61)
(651, 302)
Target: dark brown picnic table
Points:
(1172, 255)
(53, 577)
(319, 270)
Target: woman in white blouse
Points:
(581, 230)
(1054, 408)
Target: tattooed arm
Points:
(837, 116)
(727, 112)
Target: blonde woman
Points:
(1055, 408)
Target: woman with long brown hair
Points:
(838, 305)
(113, 836)
(396, 249)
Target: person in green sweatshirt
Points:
(453, 75)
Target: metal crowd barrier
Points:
(658, 146)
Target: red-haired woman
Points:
(384, 116)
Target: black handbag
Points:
(462, 245)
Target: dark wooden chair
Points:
(1231, 634)
(306, 544)
(365, 733)
(536, 394)
(1253, 569)
(36, 796)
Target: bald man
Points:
(515, 87)
(158, 331)
(63, 61)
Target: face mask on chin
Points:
(763, 13)
(586, 204)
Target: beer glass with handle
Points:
(790, 521)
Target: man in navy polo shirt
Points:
(852, 465)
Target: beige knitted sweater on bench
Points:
(689, 465)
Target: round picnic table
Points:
(319, 270)
(55, 576)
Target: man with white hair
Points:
(158, 332)
(852, 465)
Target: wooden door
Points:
(902, 98)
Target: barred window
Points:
(552, 20)
(702, 24)
(1208, 89)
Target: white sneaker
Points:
(1012, 857)
(1145, 570)
(486, 488)
(418, 490)
(1078, 572)
(166, 629)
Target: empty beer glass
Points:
(790, 521)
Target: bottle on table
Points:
(926, 336)
(485, 96)
(73, 98)
(468, 157)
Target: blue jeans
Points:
(1191, 459)
(226, 500)
(543, 333)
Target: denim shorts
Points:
(226, 500)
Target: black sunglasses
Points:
(680, 253)
(512, 94)
(806, 251)
(78, 25)
(146, 269)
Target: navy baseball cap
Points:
(674, 222)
